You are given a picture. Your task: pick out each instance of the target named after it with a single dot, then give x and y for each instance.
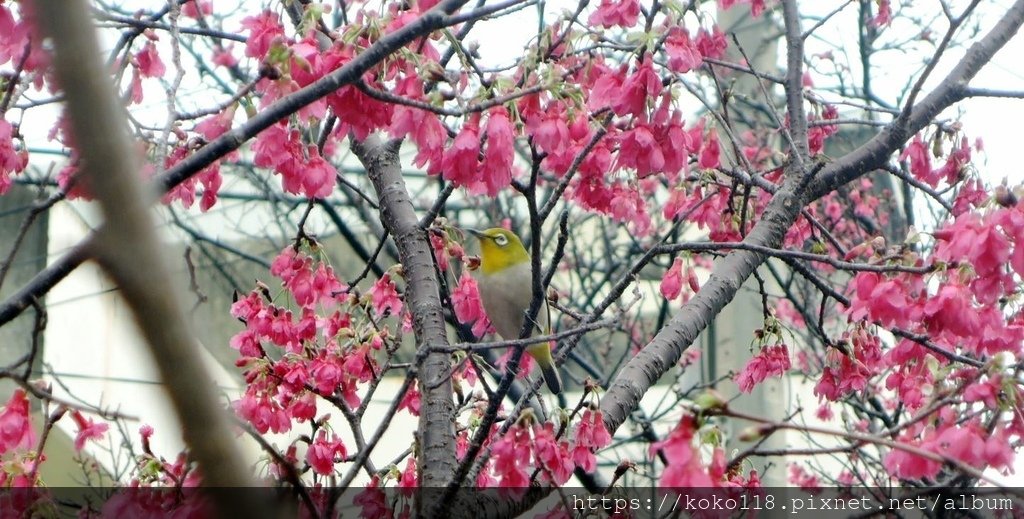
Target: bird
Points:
(504, 279)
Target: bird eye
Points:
(501, 240)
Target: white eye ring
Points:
(501, 240)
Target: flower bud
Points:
(878, 244)
(710, 400)
(1005, 197)
(624, 466)
(753, 433)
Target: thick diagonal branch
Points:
(729, 273)
(438, 17)
(129, 251)
(664, 351)
(953, 88)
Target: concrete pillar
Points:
(16, 336)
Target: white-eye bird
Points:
(506, 290)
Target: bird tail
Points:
(553, 380)
(542, 354)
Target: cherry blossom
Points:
(672, 282)
(324, 452)
(770, 361)
(590, 435)
(684, 467)
(264, 29)
(87, 430)
(12, 160)
(15, 426)
(612, 13)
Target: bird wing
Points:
(504, 294)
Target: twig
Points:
(518, 343)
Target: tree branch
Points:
(434, 19)
(874, 153)
(437, 442)
(109, 169)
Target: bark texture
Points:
(436, 429)
(129, 251)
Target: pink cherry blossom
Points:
(956, 160)
(604, 93)
(909, 380)
(408, 481)
(373, 501)
(804, 479)
(672, 282)
(817, 133)
(468, 307)
(303, 407)
(87, 430)
(411, 401)
(640, 150)
(824, 412)
(323, 453)
(19, 35)
(886, 300)
(920, 161)
(262, 412)
(684, 468)
(12, 161)
(302, 168)
(327, 373)
(319, 176)
(589, 436)
(359, 365)
(460, 161)
(683, 54)
(263, 28)
(551, 455)
(770, 361)
(905, 465)
(884, 15)
(11, 42)
(358, 112)
(672, 138)
(756, 6)
(148, 61)
(424, 128)
(644, 84)
(197, 8)
(497, 169)
(510, 455)
(385, 298)
(549, 127)
(616, 13)
(951, 310)
(712, 44)
(15, 424)
(841, 375)
(709, 155)
(224, 57)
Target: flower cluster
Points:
(469, 310)
(771, 361)
(685, 467)
(21, 47)
(525, 447)
(319, 351)
(954, 331)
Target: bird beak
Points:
(477, 233)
